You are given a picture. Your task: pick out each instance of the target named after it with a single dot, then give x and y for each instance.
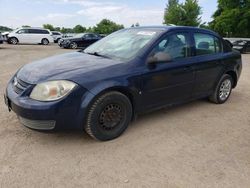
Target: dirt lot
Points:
(194, 145)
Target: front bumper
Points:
(66, 113)
(65, 45)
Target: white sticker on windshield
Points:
(148, 33)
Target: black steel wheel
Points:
(109, 116)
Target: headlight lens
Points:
(52, 90)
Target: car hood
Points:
(74, 66)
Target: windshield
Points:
(122, 45)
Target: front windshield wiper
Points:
(97, 54)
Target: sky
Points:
(68, 13)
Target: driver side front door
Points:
(169, 82)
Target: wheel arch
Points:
(234, 77)
(131, 94)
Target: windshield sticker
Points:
(148, 33)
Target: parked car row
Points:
(33, 35)
(242, 45)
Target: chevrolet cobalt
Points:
(132, 71)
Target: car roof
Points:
(33, 28)
(173, 28)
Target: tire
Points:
(73, 45)
(13, 40)
(45, 41)
(223, 90)
(108, 116)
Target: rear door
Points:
(209, 62)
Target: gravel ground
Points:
(198, 144)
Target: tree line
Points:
(231, 19)
(105, 26)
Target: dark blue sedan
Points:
(132, 71)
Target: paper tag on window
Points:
(148, 33)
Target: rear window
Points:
(207, 44)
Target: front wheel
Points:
(73, 45)
(13, 40)
(223, 90)
(109, 116)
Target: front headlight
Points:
(52, 90)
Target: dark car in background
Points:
(79, 41)
(243, 46)
(132, 71)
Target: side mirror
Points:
(159, 58)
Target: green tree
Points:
(106, 27)
(67, 30)
(4, 28)
(48, 26)
(57, 29)
(172, 12)
(232, 18)
(185, 14)
(79, 29)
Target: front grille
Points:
(19, 86)
(38, 124)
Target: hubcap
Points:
(74, 45)
(13, 41)
(225, 89)
(45, 42)
(111, 116)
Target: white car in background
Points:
(56, 36)
(30, 36)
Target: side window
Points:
(41, 31)
(89, 36)
(175, 46)
(33, 31)
(207, 44)
(22, 31)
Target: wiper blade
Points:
(97, 54)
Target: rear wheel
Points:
(109, 116)
(13, 40)
(45, 41)
(223, 90)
